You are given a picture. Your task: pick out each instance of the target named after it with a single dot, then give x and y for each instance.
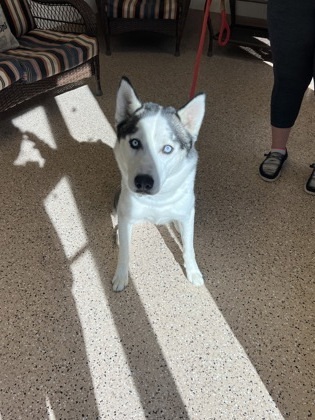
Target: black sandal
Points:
(310, 185)
(275, 161)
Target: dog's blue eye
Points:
(167, 149)
(135, 143)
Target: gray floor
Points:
(242, 347)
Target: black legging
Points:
(291, 25)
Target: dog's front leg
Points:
(186, 229)
(120, 279)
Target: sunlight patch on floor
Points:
(50, 411)
(25, 123)
(102, 341)
(200, 349)
(263, 40)
(76, 108)
(107, 361)
(60, 205)
(312, 85)
(29, 153)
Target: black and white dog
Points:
(155, 152)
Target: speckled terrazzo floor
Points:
(242, 346)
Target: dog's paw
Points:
(195, 277)
(119, 282)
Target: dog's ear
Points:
(127, 101)
(192, 114)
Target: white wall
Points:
(243, 8)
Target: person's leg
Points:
(291, 26)
(292, 34)
(280, 137)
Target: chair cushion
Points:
(142, 9)
(7, 39)
(10, 71)
(19, 16)
(44, 53)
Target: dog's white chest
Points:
(159, 216)
(158, 210)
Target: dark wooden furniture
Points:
(119, 24)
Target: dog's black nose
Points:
(144, 183)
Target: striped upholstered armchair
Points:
(162, 16)
(46, 46)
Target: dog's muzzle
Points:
(144, 184)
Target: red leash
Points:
(224, 33)
(200, 48)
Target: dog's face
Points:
(153, 141)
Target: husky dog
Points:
(155, 152)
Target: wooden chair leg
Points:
(179, 32)
(177, 51)
(96, 64)
(108, 50)
(107, 38)
(211, 37)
